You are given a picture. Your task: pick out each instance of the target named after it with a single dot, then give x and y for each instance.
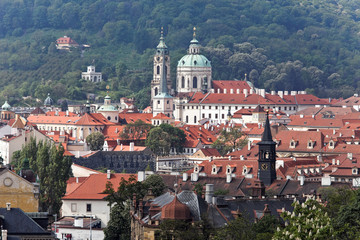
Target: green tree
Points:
(156, 183)
(266, 227)
(230, 140)
(136, 131)
(309, 220)
(53, 170)
(119, 224)
(158, 141)
(238, 229)
(95, 141)
(177, 137)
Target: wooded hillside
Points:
(280, 44)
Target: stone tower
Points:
(162, 53)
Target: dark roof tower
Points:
(267, 156)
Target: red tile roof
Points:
(230, 84)
(132, 117)
(53, 120)
(195, 134)
(54, 113)
(161, 116)
(94, 186)
(66, 40)
(93, 119)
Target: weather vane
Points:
(107, 88)
(194, 32)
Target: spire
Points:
(267, 137)
(163, 84)
(194, 47)
(194, 35)
(161, 47)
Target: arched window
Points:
(156, 91)
(187, 119)
(182, 82)
(165, 70)
(194, 119)
(194, 82)
(158, 70)
(95, 78)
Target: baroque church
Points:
(198, 99)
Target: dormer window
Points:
(215, 169)
(292, 144)
(245, 170)
(310, 144)
(331, 144)
(355, 171)
(196, 169)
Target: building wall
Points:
(80, 233)
(17, 191)
(99, 208)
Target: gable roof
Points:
(93, 187)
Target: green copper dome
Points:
(6, 106)
(107, 108)
(194, 60)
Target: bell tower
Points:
(267, 156)
(162, 53)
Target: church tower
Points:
(193, 70)
(267, 156)
(162, 102)
(162, 53)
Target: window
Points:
(194, 119)
(216, 107)
(182, 82)
(203, 107)
(195, 82)
(73, 207)
(222, 116)
(223, 107)
(216, 116)
(203, 115)
(88, 207)
(187, 119)
(158, 70)
(209, 107)
(156, 91)
(209, 115)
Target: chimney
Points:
(333, 161)
(185, 177)
(108, 174)
(273, 92)
(4, 234)
(286, 93)
(79, 222)
(67, 113)
(228, 178)
(225, 91)
(229, 158)
(77, 180)
(251, 91)
(302, 180)
(237, 91)
(8, 206)
(231, 91)
(121, 147)
(194, 177)
(338, 162)
(209, 193)
(249, 145)
(281, 94)
(350, 156)
(141, 176)
(262, 92)
(131, 146)
(246, 93)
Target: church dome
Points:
(6, 106)
(107, 105)
(194, 60)
(48, 101)
(176, 210)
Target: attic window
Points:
(292, 144)
(195, 62)
(183, 62)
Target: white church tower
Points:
(193, 70)
(162, 101)
(162, 53)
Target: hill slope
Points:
(281, 44)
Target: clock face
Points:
(264, 166)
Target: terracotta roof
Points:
(132, 117)
(230, 84)
(195, 134)
(210, 152)
(161, 116)
(315, 122)
(94, 186)
(126, 148)
(53, 120)
(66, 40)
(37, 111)
(57, 113)
(93, 119)
(113, 131)
(301, 139)
(73, 183)
(351, 101)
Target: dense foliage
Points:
(229, 140)
(119, 224)
(53, 169)
(95, 141)
(164, 138)
(281, 45)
